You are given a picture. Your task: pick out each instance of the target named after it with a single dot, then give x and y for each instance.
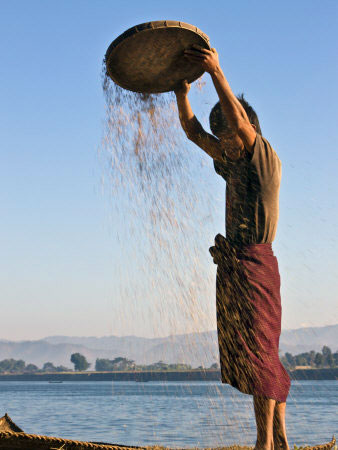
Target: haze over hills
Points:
(195, 348)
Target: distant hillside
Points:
(312, 338)
(195, 349)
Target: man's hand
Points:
(216, 255)
(183, 89)
(207, 59)
(223, 253)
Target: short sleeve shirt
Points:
(252, 194)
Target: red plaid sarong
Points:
(249, 319)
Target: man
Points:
(248, 284)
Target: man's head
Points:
(220, 127)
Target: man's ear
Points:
(254, 127)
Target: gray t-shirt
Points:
(252, 194)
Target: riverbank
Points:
(188, 375)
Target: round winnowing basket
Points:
(149, 57)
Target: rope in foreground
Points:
(12, 440)
(12, 437)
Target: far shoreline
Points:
(166, 376)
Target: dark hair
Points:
(218, 121)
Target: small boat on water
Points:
(13, 437)
(55, 382)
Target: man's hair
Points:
(219, 123)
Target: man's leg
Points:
(264, 412)
(279, 429)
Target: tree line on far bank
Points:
(313, 359)
(124, 364)
(19, 366)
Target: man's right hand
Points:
(223, 253)
(183, 89)
(216, 255)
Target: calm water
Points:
(171, 414)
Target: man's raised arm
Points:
(191, 126)
(231, 107)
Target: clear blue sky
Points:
(57, 246)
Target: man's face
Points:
(231, 144)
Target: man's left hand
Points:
(207, 59)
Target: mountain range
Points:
(197, 349)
